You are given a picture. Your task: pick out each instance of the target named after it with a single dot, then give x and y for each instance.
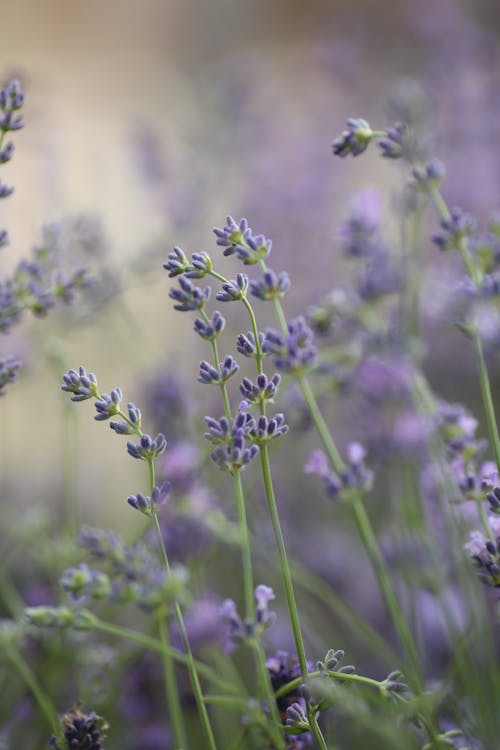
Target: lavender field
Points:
(249, 375)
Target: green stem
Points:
(170, 684)
(246, 554)
(335, 676)
(489, 407)
(367, 536)
(288, 584)
(371, 546)
(320, 424)
(153, 645)
(191, 666)
(273, 512)
(41, 698)
(316, 731)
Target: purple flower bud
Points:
(354, 140)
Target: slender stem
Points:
(316, 731)
(153, 645)
(170, 680)
(273, 512)
(366, 533)
(191, 666)
(489, 407)
(320, 424)
(170, 685)
(69, 470)
(40, 696)
(371, 546)
(335, 676)
(246, 554)
(288, 584)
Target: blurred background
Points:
(146, 124)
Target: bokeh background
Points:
(146, 123)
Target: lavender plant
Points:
(265, 673)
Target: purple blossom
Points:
(355, 139)
(294, 353)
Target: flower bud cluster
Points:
(234, 290)
(262, 391)
(231, 452)
(266, 429)
(9, 368)
(147, 449)
(108, 405)
(294, 353)
(429, 175)
(81, 730)
(457, 227)
(354, 476)
(210, 330)
(272, 286)
(398, 141)
(210, 375)
(85, 581)
(331, 663)
(246, 344)
(189, 297)
(132, 575)
(238, 239)
(81, 385)
(355, 139)
(238, 630)
(133, 425)
(59, 617)
(486, 555)
(143, 502)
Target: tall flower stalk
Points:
(84, 387)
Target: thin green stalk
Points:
(489, 407)
(246, 554)
(191, 666)
(320, 424)
(69, 471)
(316, 731)
(170, 684)
(273, 512)
(288, 584)
(155, 645)
(41, 698)
(291, 686)
(170, 681)
(366, 533)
